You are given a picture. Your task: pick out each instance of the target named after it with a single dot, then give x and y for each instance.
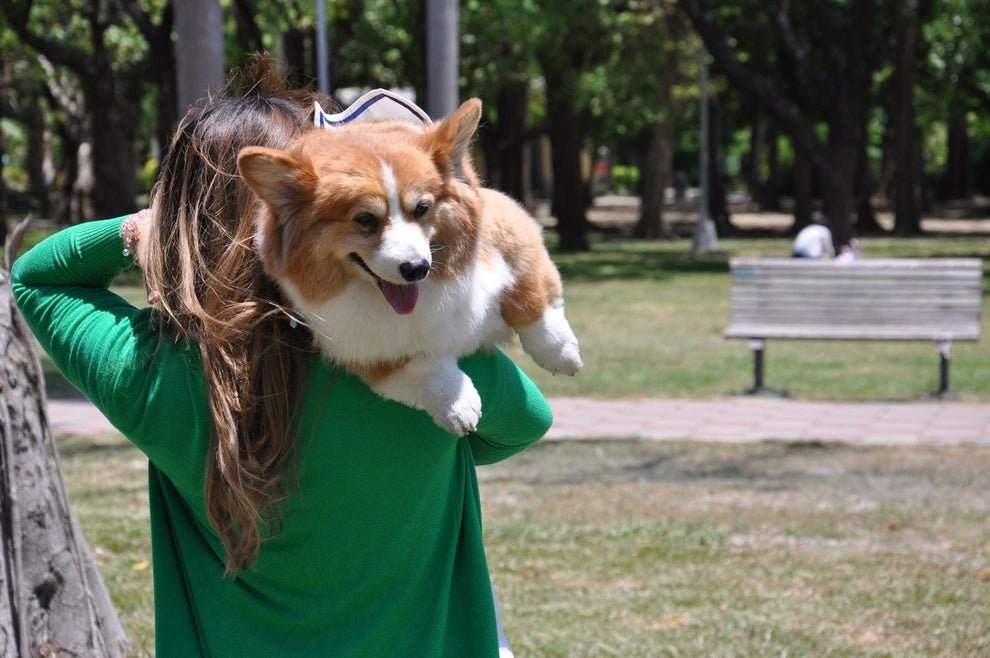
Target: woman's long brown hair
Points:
(201, 261)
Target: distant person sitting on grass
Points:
(850, 252)
(814, 241)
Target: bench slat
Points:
(879, 299)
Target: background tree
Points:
(52, 600)
(953, 72)
(639, 93)
(813, 94)
(570, 43)
(907, 141)
(498, 65)
(830, 49)
(98, 43)
(386, 48)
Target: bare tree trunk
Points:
(513, 103)
(570, 196)
(804, 182)
(3, 188)
(52, 600)
(907, 185)
(656, 167)
(959, 172)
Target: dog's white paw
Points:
(460, 415)
(552, 343)
(439, 388)
(566, 361)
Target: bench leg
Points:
(944, 392)
(758, 345)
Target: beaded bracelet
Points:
(130, 231)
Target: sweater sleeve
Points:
(515, 415)
(110, 350)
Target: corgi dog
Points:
(400, 262)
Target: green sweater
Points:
(381, 551)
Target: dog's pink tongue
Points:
(402, 299)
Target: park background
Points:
(871, 112)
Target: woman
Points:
(293, 511)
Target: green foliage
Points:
(624, 178)
(498, 44)
(387, 46)
(650, 70)
(146, 177)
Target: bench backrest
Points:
(881, 299)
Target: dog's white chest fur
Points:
(453, 317)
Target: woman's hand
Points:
(133, 234)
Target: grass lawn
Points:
(659, 549)
(631, 549)
(650, 319)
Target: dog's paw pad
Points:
(567, 363)
(461, 416)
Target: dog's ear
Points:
(286, 184)
(450, 140)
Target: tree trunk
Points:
(3, 186)
(837, 204)
(503, 142)
(866, 217)
(513, 105)
(569, 199)
(38, 156)
(907, 184)
(958, 174)
(52, 600)
(718, 194)
(654, 179)
(804, 183)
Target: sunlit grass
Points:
(650, 549)
(668, 549)
(108, 489)
(650, 319)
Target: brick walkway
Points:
(742, 419)
(736, 419)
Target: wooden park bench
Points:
(937, 299)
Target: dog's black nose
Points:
(413, 271)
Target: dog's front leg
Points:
(551, 342)
(438, 387)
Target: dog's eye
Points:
(421, 209)
(367, 220)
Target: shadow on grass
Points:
(631, 260)
(636, 461)
(79, 447)
(615, 256)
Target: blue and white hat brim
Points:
(376, 105)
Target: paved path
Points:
(742, 419)
(736, 419)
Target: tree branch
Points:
(766, 94)
(18, 14)
(797, 51)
